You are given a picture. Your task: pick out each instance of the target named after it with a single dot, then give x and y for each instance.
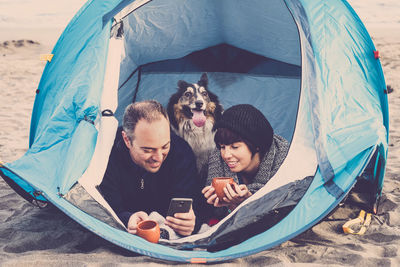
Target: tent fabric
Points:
(165, 30)
(332, 107)
(240, 76)
(264, 213)
(349, 73)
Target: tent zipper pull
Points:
(142, 184)
(38, 203)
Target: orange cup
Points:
(219, 183)
(149, 230)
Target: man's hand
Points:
(182, 223)
(136, 218)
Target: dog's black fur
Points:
(191, 98)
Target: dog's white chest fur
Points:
(201, 139)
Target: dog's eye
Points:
(204, 93)
(188, 94)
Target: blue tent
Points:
(308, 65)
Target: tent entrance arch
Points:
(150, 70)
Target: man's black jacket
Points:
(129, 188)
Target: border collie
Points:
(193, 111)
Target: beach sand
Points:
(30, 236)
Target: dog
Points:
(193, 110)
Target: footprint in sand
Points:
(389, 251)
(354, 247)
(381, 238)
(42, 241)
(264, 261)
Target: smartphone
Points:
(179, 205)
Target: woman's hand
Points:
(212, 199)
(235, 194)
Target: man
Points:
(148, 166)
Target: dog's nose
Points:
(199, 103)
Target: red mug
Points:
(149, 230)
(219, 184)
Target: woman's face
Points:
(238, 157)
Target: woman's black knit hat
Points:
(249, 123)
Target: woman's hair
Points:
(248, 124)
(224, 136)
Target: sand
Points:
(30, 236)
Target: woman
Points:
(248, 151)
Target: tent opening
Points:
(254, 60)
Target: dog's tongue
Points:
(198, 118)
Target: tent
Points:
(309, 66)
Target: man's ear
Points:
(127, 140)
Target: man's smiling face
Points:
(150, 144)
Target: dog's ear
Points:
(170, 109)
(203, 80)
(182, 85)
(218, 112)
(218, 109)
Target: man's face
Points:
(150, 145)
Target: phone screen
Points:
(179, 205)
